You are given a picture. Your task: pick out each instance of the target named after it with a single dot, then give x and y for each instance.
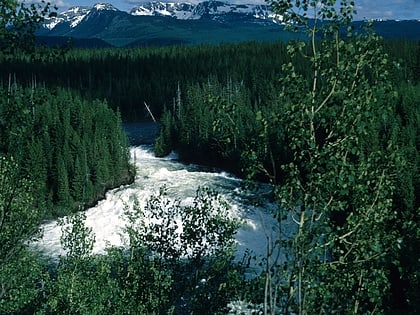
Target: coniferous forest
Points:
(331, 123)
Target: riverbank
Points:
(138, 133)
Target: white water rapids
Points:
(107, 221)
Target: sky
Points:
(366, 9)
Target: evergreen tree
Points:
(79, 181)
(63, 190)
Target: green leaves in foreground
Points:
(20, 271)
(338, 185)
(154, 274)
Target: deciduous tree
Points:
(338, 184)
(18, 23)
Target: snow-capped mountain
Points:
(75, 15)
(216, 10)
(165, 23)
(169, 23)
(104, 6)
(181, 11)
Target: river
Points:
(181, 181)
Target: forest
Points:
(331, 123)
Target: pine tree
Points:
(63, 189)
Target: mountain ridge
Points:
(173, 22)
(166, 23)
(212, 9)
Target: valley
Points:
(178, 159)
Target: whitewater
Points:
(107, 221)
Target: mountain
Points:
(215, 10)
(183, 11)
(160, 23)
(396, 29)
(167, 23)
(73, 16)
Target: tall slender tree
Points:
(18, 23)
(338, 184)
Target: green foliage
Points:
(50, 141)
(22, 278)
(18, 23)
(16, 209)
(36, 166)
(406, 203)
(339, 183)
(76, 239)
(82, 284)
(339, 139)
(245, 125)
(149, 276)
(164, 142)
(42, 135)
(77, 148)
(338, 145)
(193, 247)
(172, 230)
(210, 124)
(127, 77)
(20, 270)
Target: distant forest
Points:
(128, 77)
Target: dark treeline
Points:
(128, 77)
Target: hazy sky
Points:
(370, 9)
